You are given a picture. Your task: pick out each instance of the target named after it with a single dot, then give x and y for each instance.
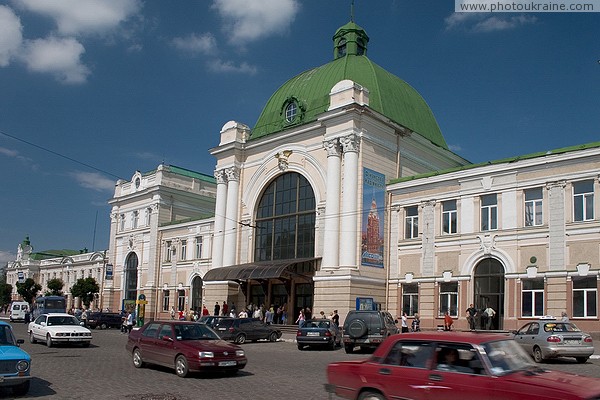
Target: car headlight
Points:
(239, 353)
(22, 366)
(206, 354)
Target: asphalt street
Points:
(275, 371)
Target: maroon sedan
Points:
(184, 346)
(454, 366)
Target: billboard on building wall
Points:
(372, 218)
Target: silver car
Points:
(550, 338)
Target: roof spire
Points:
(352, 11)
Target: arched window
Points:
(131, 266)
(285, 220)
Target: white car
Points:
(55, 328)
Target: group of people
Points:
(415, 325)
(305, 314)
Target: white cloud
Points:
(228, 66)
(81, 17)
(246, 21)
(58, 56)
(484, 22)
(6, 256)
(11, 35)
(15, 154)
(94, 180)
(195, 44)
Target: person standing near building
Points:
(172, 312)
(336, 318)
(300, 320)
(404, 323)
(416, 323)
(471, 314)
(129, 322)
(490, 314)
(84, 317)
(225, 309)
(217, 309)
(448, 321)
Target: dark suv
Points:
(240, 330)
(104, 320)
(367, 329)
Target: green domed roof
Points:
(308, 93)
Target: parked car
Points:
(239, 330)
(549, 338)
(18, 311)
(367, 329)
(15, 362)
(104, 320)
(56, 328)
(454, 366)
(184, 346)
(211, 320)
(319, 332)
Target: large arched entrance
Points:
(197, 294)
(131, 277)
(489, 291)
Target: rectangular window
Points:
(489, 212)
(533, 207)
(410, 298)
(165, 300)
(183, 250)
(412, 223)
(583, 200)
(198, 247)
(532, 298)
(449, 299)
(585, 295)
(148, 216)
(168, 251)
(449, 217)
(136, 216)
(180, 300)
(122, 222)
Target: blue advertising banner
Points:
(373, 218)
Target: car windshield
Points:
(195, 332)
(507, 356)
(6, 336)
(317, 324)
(560, 327)
(62, 320)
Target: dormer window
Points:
(360, 46)
(341, 48)
(291, 111)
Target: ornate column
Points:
(349, 218)
(331, 258)
(231, 216)
(219, 229)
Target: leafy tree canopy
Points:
(55, 286)
(28, 289)
(85, 289)
(5, 293)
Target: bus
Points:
(49, 304)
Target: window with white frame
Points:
(180, 300)
(198, 247)
(183, 250)
(136, 217)
(533, 207)
(168, 250)
(449, 298)
(410, 298)
(585, 297)
(583, 200)
(122, 222)
(449, 217)
(165, 305)
(148, 216)
(532, 297)
(489, 212)
(412, 222)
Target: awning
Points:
(264, 270)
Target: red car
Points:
(184, 346)
(453, 366)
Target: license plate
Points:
(221, 329)
(76, 339)
(227, 363)
(312, 333)
(572, 341)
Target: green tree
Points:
(55, 286)
(85, 289)
(5, 293)
(28, 289)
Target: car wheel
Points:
(581, 360)
(181, 366)
(48, 340)
(357, 329)
(138, 362)
(240, 339)
(31, 337)
(22, 389)
(538, 357)
(103, 326)
(349, 348)
(371, 396)
(273, 337)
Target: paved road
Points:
(274, 371)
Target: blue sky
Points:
(123, 85)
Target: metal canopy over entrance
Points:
(280, 269)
